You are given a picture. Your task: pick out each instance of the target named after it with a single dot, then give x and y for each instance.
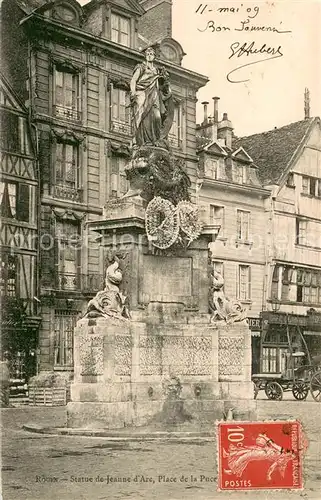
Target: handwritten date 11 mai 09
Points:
(250, 12)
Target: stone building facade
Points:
(231, 195)
(73, 71)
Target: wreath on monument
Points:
(164, 221)
(188, 219)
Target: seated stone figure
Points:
(110, 302)
(221, 307)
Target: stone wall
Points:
(123, 371)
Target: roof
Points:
(273, 151)
(28, 6)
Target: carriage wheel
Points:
(300, 390)
(274, 391)
(315, 386)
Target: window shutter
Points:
(239, 224)
(247, 225)
(58, 163)
(250, 283)
(59, 88)
(297, 231)
(23, 202)
(70, 165)
(238, 277)
(115, 103)
(69, 90)
(6, 202)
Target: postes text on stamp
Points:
(259, 455)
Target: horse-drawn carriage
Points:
(301, 375)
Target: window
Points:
(273, 359)
(290, 180)
(174, 135)
(301, 232)
(120, 114)
(244, 283)
(13, 137)
(67, 94)
(211, 168)
(287, 280)
(65, 322)
(69, 240)
(308, 286)
(275, 283)
(241, 174)
(119, 184)
(217, 217)
(9, 275)
(67, 171)
(17, 201)
(243, 225)
(218, 266)
(120, 30)
(313, 183)
(311, 186)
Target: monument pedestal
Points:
(160, 375)
(168, 366)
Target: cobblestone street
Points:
(63, 467)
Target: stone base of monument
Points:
(183, 374)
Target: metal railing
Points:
(174, 141)
(121, 127)
(68, 193)
(85, 283)
(68, 113)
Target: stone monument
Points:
(148, 352)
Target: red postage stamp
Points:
(260, 455)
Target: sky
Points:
(263, 95)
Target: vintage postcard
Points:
(160, 197)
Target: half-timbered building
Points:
(19, 237)
(289, 164)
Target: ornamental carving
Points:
(91, 354)
(123, 355)
(230, 355)
(150, 355)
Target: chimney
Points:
(205, 120)
(225, 130)
(215, 118)
(156, 23)
(215, 99)
(306, 103)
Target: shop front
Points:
(282, 332)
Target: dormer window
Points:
(241, 174)
(211, 168)
(66, 11)
(120, 29)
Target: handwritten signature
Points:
(248, 49)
